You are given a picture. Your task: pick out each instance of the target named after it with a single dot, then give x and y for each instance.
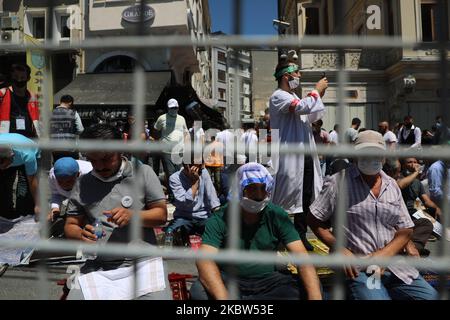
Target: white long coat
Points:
(293, 116)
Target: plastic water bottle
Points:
(168, 241)
(98, 231)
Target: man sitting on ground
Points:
(264, 226)
(195, 199)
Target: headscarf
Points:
(253, 172)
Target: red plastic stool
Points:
(178, 285)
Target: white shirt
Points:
(172, 129)
(198, 134)
(250, 140)
(390, 139)
(334, 137)
(226, 137)
(58, 194)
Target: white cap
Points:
(172, 103)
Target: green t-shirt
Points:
(273, 229)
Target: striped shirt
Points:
(371, 222)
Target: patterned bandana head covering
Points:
(253, 172)
(288, 69)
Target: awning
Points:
(113, 88)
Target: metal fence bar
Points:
(341, 217)
(443, 37)
(234, 212)
(235, 41)
(227, 256)
(345, 150)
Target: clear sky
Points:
(257, 16)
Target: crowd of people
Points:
(391, 209)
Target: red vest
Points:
(5, 110)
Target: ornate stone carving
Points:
(325, 60)
(354, 59)
(431, 52)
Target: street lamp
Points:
(281, 26)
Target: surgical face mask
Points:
(173, 112)
(370, 167)
(113, 178)
(253, 206)
(294, 83)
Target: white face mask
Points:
(113, 178)
(253, 206)
(172, 112)
(294, 83)
(370, 167)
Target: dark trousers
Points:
(277, 286)
(168, 166)
(15, 197)
(308, 190)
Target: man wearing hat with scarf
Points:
(298, 178)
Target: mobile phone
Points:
(324, 75)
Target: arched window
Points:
(116, 64)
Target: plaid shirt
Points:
(371, 222)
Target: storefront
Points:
(109, 97)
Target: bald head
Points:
(383, 127)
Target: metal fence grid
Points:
(232, 254)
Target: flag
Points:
(37, 61)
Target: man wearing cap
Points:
(174, 132)
(18, 164)
(298, 178)
(378, 225)
(264, 227)
(62, 178)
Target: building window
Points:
(221, 57)
(246, 88)
(222, 94)
(222, 76)
(326, 17)
(429, 21)
(38, 27)
(312, 21)
(65, 31)
(116, 64)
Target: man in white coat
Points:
(298, 178)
